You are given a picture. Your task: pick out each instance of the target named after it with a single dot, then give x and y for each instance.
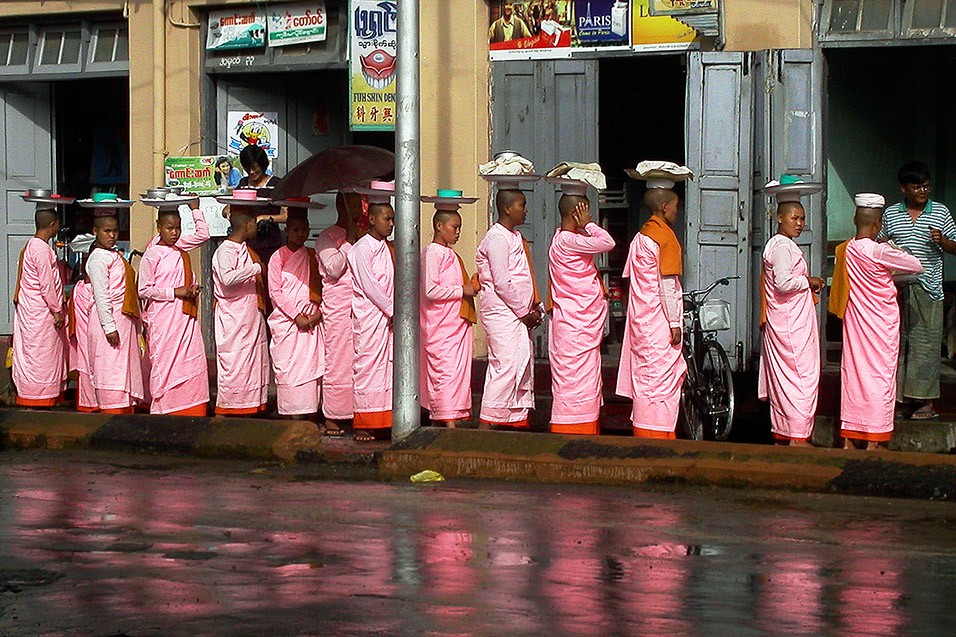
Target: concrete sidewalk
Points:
(496, 455)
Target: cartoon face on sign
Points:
(255, 133)
(378, 68)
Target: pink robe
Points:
(370, 262)
(871, 337)
(578, 315)
(242, 354)
(446, 337)
(652, 369)
(790, 356)
(39, 349)
(507, 294)
(298, 357)
(116, 372)
(82, 301)
(332, 250)
(179, 377)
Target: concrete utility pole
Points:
(406, 411)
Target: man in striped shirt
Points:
(924, 228)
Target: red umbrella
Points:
(334, 169)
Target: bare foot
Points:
(847, 444)
(800, 443)
(872, 445)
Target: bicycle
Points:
(707, 396)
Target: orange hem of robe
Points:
(121, 411)
(860, 435)
(38, 402)
(232, 411)
(653, 433)
(198, 410)
(520, 424)
(579, 429)
(372, 420)
(86, 410)
(782, 437)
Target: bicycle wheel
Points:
(691, 423)
(716, 387)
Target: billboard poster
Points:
(543, 29)
(648, 29)
(683, 7)
(531, 24)
(297, 23)
(258, 129)
(204, 175)
(243, 28)
(372, 59)
(601, 21)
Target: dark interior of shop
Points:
(92, 143)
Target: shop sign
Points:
(372, 59)
(683, 7)
(243, 28)
(604, 21)
(652, 29)
(297, 23)
(551, 29)
(205, 175)
(258, 129)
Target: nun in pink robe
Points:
(81, 304)
(298, 356)
(117, 372)
(242, 353)
(507, 294)
(446, 337)
(578, 315)
(652, 369)
(178, 377)
(39, 348)
(370, 261)
(332, 250)
(871, 339)
(790, 356)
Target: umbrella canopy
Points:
(334, 169)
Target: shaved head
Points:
(867, 217)
(442, 217)
(787, 207)
(376, 209)
(296, 220)
(656, 198)
(239, 216)
(166, 212)
(100, 221)
(567, 203)
(507, 198)
(43, 218)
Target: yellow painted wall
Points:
(753, 25)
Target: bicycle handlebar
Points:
(700, 295)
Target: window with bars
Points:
(109, 46)
(15, 51)
(853, 20)
(60, 49)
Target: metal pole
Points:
(406, 412)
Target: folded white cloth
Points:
(507, 164)
(589, 173)
(869, 200)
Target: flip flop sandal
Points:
(361, 436)
(333, 433)
(924, 415)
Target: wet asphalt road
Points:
(100, 544)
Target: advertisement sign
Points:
(207, 175)
(531, 24)
(372, 59)
(648, 29)
(683, 7)
(297, 23)
(258, 129)
(236, 29)
(601, 21)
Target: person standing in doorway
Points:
(924, 228)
